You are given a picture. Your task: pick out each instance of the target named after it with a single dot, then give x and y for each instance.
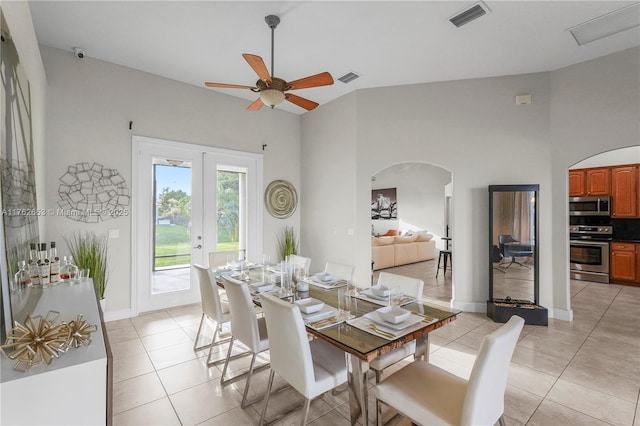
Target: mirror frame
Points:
(516, 188)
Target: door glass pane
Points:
(172, 224)
(231, 202)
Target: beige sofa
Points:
(387, 252)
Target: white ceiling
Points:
(388, 42)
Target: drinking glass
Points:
(83, 274)
(344, 302)
(265, 266)
(285, 277)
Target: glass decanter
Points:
(68, 271)
(22, 278)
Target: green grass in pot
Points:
(89, 251)
(287, 243)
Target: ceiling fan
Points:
(272, 89)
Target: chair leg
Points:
(217, 333)
(438, 268)
(195, 343)
(226, 362)
(244, 404)
(379, 419)
(501, 421)
(307, 404)
(266, 397)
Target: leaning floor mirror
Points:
(513, 254)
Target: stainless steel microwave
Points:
(590, 206)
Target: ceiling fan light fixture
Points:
(271, 97)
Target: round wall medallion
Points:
(281, 199)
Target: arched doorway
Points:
(591, 257)
(420, 201)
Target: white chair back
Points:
(289, 345)
(244, 323)
(340, 271)
(218, 259)
(484, 400)
(303, 262)
(407, 285)
(209, 295)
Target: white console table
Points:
(75, 388)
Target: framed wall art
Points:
(384, 204)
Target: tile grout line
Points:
(545, 398)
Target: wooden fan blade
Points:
(322, 79)
(301, 102)
(256, 105)
(228, 86)
(258, 66)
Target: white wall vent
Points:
(477, 10)
(349, 77)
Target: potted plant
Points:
(287, 243)
(89, 251)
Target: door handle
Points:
(199, 246)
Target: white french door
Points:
(189, 200)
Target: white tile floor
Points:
(584, 372)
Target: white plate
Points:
(377, 289)
(323, 313)
(327, 281)
(260, 287)
(370, 294)
(393, 314)
(412, 320)
(309, 305)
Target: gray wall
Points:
(328, 169)
(89, 107)
(595, 107)
(473, 129)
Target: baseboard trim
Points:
(561, 314)
(470, 306)
(117, 315)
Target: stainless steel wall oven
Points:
(589, 252)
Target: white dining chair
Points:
(429, 395)
(219, 259)
(213, 308)
(245, 327)
(303, 262)
(410, 287)
(311, 368)
(340, 271)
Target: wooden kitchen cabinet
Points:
(588, 182)
(577, 183)
(624, 192)
(598, 181)
(624, 261)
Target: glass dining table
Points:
(360, 346)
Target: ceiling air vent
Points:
(606, 25)
(468, 15)
(349, 77)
